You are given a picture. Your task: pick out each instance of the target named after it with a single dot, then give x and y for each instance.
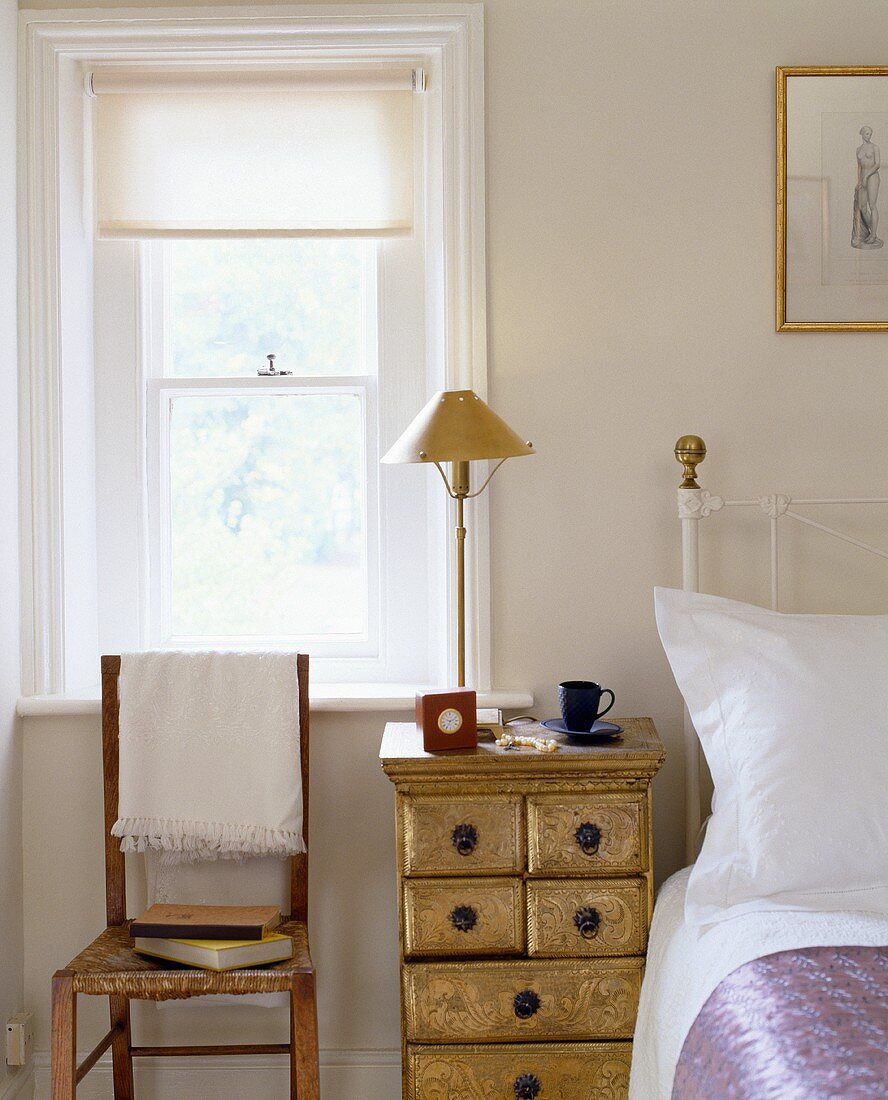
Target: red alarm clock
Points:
(447, 719)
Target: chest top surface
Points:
(638, 752)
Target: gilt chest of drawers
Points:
(525, 895)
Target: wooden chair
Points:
(109, 966)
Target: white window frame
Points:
(58, 482)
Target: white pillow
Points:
(792, 713)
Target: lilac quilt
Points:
(808, 1024)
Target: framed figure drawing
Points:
(832, 211)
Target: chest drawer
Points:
(476, 1002)
(573, 833)
(568, 1071)
(586, 917)
(472, 835)
(463, 916)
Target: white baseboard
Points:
(18, 1087)
(345, 1074)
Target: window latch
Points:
(271, 370)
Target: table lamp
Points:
(456, 426)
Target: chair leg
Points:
(64, 1036)
(304, 1070)
(121, 1057)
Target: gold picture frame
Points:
(832, 268)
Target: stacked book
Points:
(212, 937)
(490, 722)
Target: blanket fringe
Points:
(204, 840)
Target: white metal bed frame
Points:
(694, 504)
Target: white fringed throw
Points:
(209, 755)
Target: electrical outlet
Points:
(19, 1039)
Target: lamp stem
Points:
(460, 595)
(460, 480)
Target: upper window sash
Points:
(155, 308)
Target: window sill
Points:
(338, 698)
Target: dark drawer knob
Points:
(465, 838)
(463, 918)
(527, 1087)
(588, 837)
(587, 921)
(526, 1004)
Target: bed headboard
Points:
(696, 504)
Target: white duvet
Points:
(685, 964)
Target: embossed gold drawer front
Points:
(551, 1071)
(525, 1000)
(586, 917)
(471, 835)
(572, 833)
(463, 916)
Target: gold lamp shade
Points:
(456, 426)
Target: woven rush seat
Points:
(111, 966)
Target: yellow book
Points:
(218, 954)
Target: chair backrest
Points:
(115, 867)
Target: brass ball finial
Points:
(690, 451)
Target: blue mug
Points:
(580, 700)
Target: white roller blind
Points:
(207, 155)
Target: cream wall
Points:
(10, 732)
(631, 270)
(630, 197)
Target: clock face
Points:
(449, 720)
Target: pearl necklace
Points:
(513, 741)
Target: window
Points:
(130, 370)
(263, 490)
(260, 481)
(253, 509)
